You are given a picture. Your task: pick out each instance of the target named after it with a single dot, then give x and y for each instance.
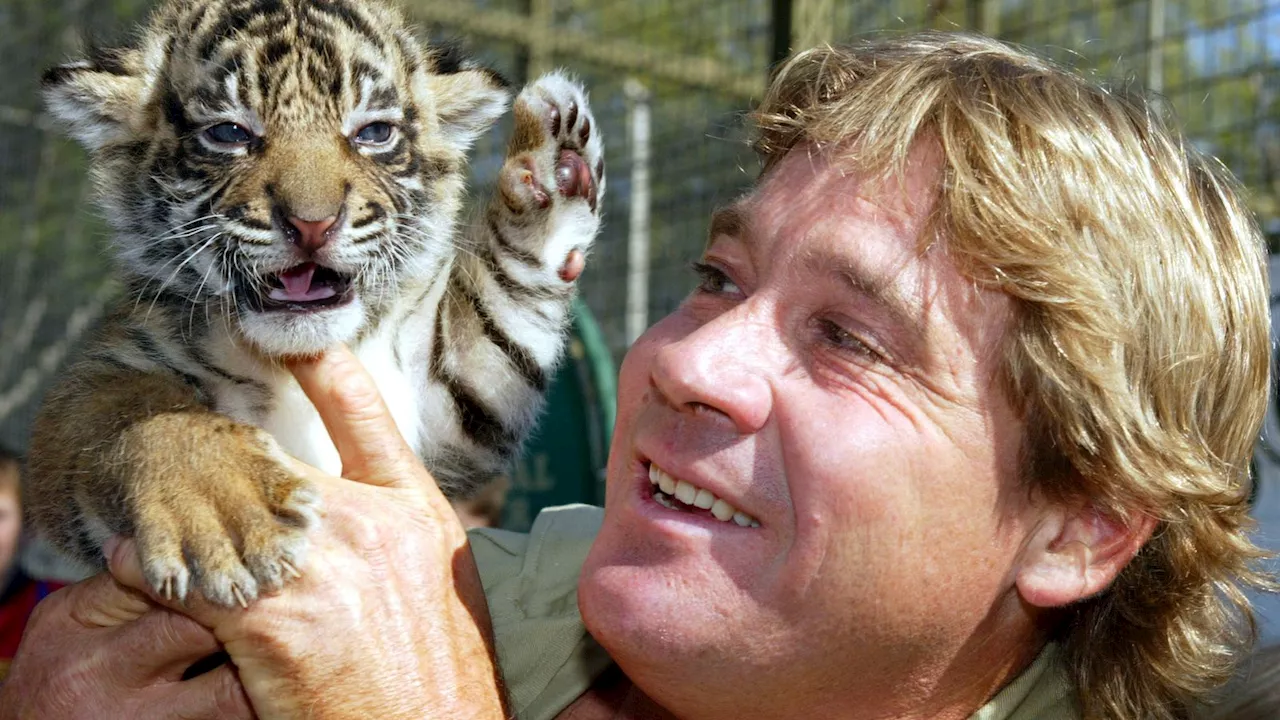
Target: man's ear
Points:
(1076, 553)
(97, 98)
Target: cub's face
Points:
(284, 165)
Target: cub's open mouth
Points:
(306, 287)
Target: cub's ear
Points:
(99, 97)
(468, 97)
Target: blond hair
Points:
(1139, 347)
(1255, 693)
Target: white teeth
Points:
(664, 481)
(685, 492)
(704, 499)
(690, 494)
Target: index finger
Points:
(150, 641)
(358, 421)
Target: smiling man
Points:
(867, 438)
(955, 425)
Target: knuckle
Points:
(230, 700)
(179, 631)
(45, 611)
(367, 533)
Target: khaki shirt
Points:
(548, 659)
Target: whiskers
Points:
(194, 228)
(402, 253)
(214, 273)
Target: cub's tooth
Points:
(685, 492)
(666, 483)
(654, 473)
(742, 519)
(722, 510)
(704, 499)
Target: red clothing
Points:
(16, 603)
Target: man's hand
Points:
(388, 619)
(99, 650)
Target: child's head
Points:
(10, 509)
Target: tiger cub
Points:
(282, 176)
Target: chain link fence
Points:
(669, 82)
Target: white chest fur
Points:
(291, 418)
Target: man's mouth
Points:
(684, 496)
(305, 287)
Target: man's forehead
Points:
(903, 193)
(829, 196)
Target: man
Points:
(956, 425)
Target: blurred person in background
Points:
(19, 593)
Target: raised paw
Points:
(547, 211)
(229, 520)
(556, 144)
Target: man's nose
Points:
(722, 366)
(312, 235)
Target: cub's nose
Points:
(312, 234)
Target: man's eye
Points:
(228, 134)
(375, 133)
(714, 280)
(846, 341)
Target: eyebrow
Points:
(734, 221)
(882, 292)
(730, 220)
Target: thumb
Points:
(100, 602)
(371, 447)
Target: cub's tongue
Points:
(296, 282)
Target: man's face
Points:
(838, 386)
(10, 527)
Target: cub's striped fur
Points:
(284, 175)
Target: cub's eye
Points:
(228, 134)
(375, 133)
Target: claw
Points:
(166, 590)
(573, 116)
(555, 121)
(289, 568)
(235, 590)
